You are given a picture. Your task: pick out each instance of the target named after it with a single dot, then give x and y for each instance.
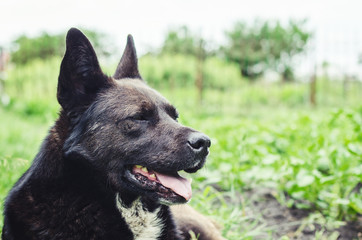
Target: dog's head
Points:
(124, 129)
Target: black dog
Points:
(108, 168)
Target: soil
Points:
(292, 222)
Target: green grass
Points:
(313, 155)
(262, 135)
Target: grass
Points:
(262, 135)
(314, 156)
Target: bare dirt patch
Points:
(279, 221)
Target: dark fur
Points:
(104, 126)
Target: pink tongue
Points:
(178, 184)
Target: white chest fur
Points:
(144, 225)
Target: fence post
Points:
(345, 88)
(200, 58)
(313, 89)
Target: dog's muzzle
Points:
(199, 144)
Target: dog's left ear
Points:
(80, 77)
(128, 66)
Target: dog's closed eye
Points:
(144, 114)
(140, 117)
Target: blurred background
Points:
(277, 85)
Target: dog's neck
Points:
(144, 223)
(51, 150)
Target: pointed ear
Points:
(128, 66)
(80, 77)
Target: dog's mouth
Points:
(171, 187)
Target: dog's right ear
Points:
(81, 77)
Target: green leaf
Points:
(356, 202)
(304, 179)
(270, 159)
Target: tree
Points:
(182, 41)
(46, 45)
(266, 45)
(179, 41)
(42, 47)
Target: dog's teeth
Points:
(153, 176)
(138, 166)
(144, 169)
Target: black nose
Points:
(199, 142)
